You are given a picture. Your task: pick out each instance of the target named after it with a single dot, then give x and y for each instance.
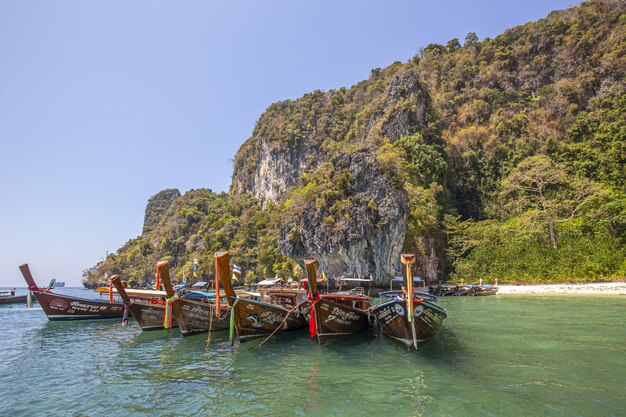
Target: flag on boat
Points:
(236, 273)
(195, 267)
(324, 276)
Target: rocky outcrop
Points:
(294, 137)
(359, 232)
(157, 206)
(359, 229)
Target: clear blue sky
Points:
(105, 103)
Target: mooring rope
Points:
(231, 327)
(281, 324)
(208, 339)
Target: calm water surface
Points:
(496, 356)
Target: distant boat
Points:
(66, 307)
(9, 297)
(58, 284)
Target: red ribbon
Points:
(312, 319)
(35, 288)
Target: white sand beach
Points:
(604, 288)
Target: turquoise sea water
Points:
(496, 356)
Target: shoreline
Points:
(603, 288)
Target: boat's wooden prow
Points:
(117, 283)
(28, 277)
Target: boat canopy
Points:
(354, 279)
(199, 284)
(199, 295)
(399, 279)
(133, 293)
(270, 281)
(400, 293)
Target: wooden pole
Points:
(408, 260)
(310, 266)
(25, 270)
(163, 270)
(117, 283)
(223, 268)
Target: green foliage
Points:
(424, 163)
(517, 252)
(197, 225)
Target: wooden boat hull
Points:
(335, 319)
(199, 316)
(392, 319)
(13, 299)
(149, 316)
(255, 319)
(66, 307)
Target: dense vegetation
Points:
(534, 125)
(511, 152)
(195, 226)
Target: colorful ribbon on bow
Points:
(111, 292)
(34, 287)
(313, 316)
(167, 315)
(125, 315)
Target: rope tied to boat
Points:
(34, 287)
(296, 308)
(231, 327)
(313, 317)
(208, 339)
(167, 316)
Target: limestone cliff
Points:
(156, 208)
(354, 223)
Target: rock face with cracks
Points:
(318, 155)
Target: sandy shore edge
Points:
(604, 288)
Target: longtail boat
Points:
(251, 318)
(336, 314)
(148, 309)
(9, 297)
(193, 315)
(409, 319)
(66, 307)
